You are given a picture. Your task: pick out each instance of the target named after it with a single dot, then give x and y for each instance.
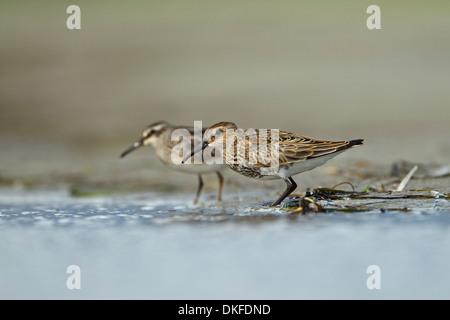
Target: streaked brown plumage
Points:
(159, 136)
(293, 154)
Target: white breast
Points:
(288, 170)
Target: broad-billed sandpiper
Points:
(159, 136)
(293, 154)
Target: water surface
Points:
(147, 246)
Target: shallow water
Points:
(149, 246)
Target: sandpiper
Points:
(294, 153)
(159, 136)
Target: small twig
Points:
(344, 182)
(405, 180)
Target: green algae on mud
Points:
(110, 188)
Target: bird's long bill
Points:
(198, 148)
(134, 146)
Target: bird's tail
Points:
(354, 143)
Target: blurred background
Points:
(72, 100)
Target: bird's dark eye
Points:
(213, 138)
(148, 134)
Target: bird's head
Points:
(149, 136)
(214, 136)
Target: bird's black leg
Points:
(199, 190)
(219, 193)
(291, 186)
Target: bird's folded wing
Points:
(294, 148)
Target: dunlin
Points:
(159, 136)
(293, 154)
